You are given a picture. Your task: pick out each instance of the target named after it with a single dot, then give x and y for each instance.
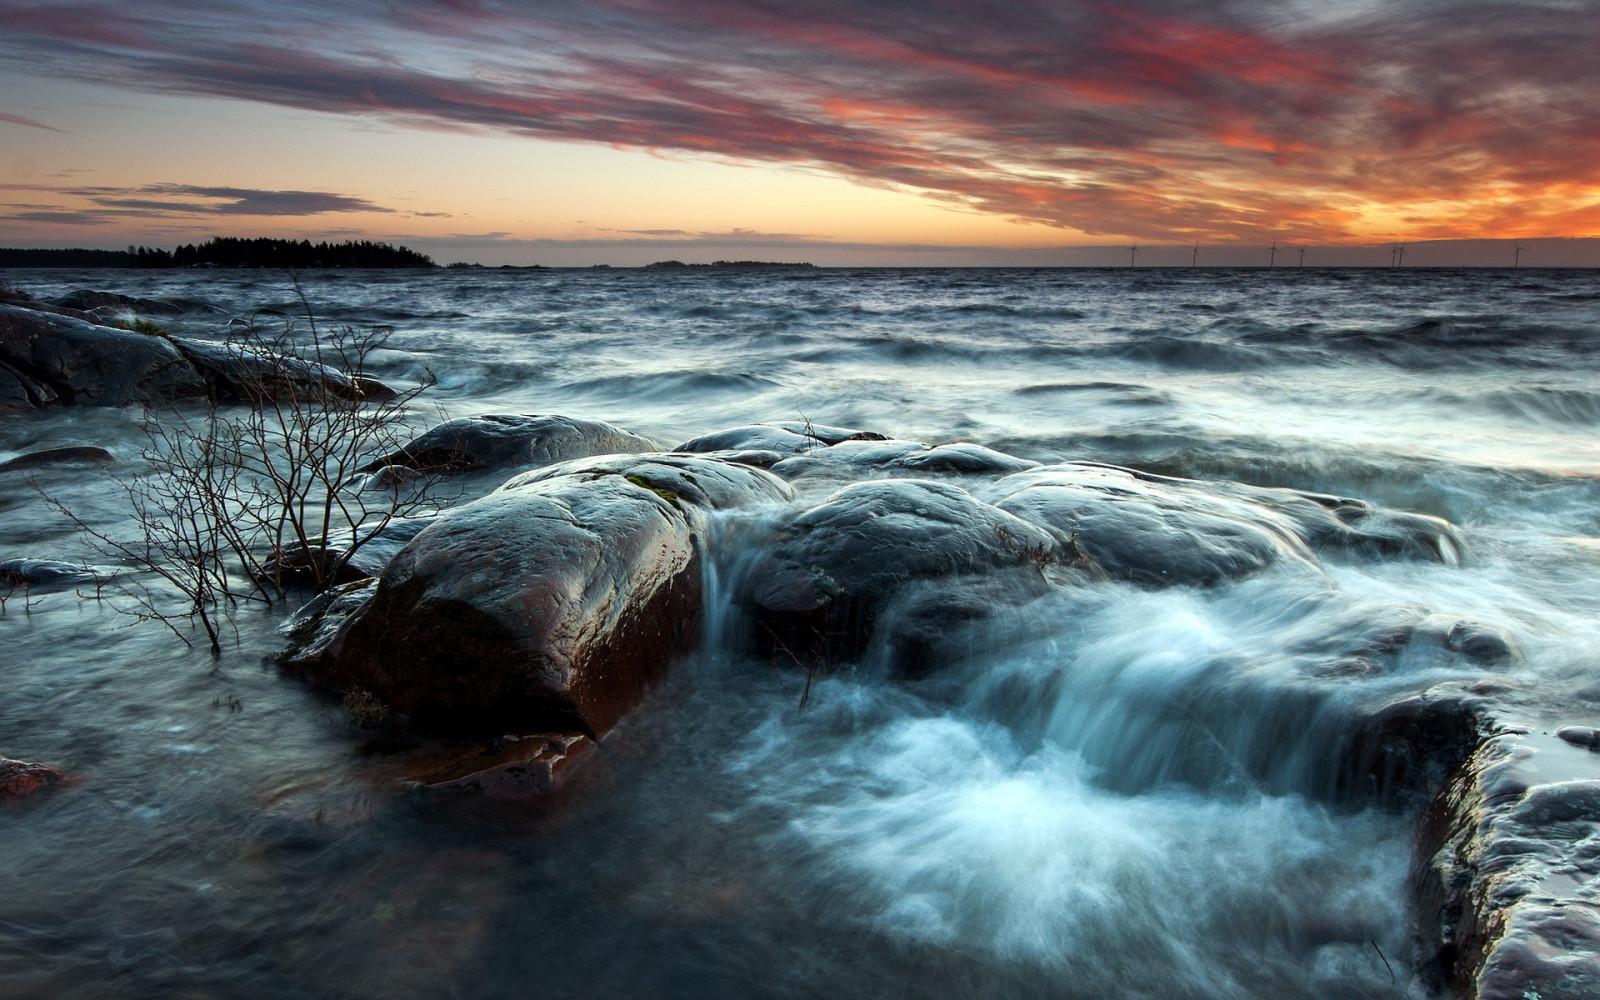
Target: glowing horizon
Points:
(618, 130)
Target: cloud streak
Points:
(1148, 119)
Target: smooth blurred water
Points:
(1078, 808)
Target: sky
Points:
(836, 131)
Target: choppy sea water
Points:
(1015, 826)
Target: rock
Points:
(510, 441)
(788, 437)
(1587, 737)
(818, 590)
(85, 365)
(700, 481)
(43, 574)
(86, 300)
(311, 629)
(511, 767)
(853, 457)
(366, 561)
(57, 456)
(555, 605)
(1329, 523)
(1505, 868)
(20, 394)
(237, 375)
(19, 780)
(48, 358)
(1148, 532)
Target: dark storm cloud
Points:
(107, 204)
(19, 120)
(1148, 119)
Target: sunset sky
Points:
(838, 131)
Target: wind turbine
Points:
(1302, 256)
(1400, 255)
(1517, 260)
(1272, 259)
(1195, 259)
(1133, 254)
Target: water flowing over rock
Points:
(854, 457)
(789, 437)
(818, 591)
(506, 441)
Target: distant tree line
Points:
(229, 251)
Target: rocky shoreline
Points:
(526, 621)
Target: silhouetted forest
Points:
(229, 251)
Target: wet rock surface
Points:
(855, 457)
(63, 357)
(789, 437)
(20, 780)
(818, 590)
(1508, 871)
(509, 441)
(71, 362)
(701, 483)
(552, 605)
(85, 455)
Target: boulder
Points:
(818, 589)
(57, 456)
(790, 437)
(692, 482)
(1151, 532)
(551, 606)
(87, 300)
(43, 574)
(1329, 523)
(238, 375)
(19, 780)
(86, 365)
(496, 441)
(855, 457)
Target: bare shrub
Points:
(243, 501)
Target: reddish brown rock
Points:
(554, 605)
(19, 780)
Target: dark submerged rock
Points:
(511, 767)
(57, 456)
(43, 574)
(510, 441)
(88, 300)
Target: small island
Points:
(733, 264)
(231, 252)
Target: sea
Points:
(994, 830)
